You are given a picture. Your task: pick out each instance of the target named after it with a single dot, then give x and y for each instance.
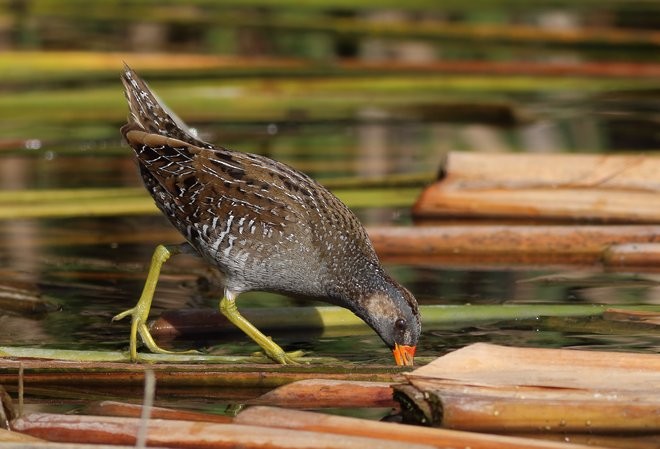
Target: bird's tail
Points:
(148, 113)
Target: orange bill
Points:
(404, 355)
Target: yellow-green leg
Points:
(140, 313)
(272, 349)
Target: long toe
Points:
(124, 314)
(287, 358)
(150, 343)
(158, 350)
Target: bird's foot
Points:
(139, 326)
(283, 358)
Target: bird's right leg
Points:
(140, 312)
(272, 349)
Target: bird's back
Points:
(264, 224)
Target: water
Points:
(91, 268)
(90, 282)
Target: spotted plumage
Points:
(263, 224)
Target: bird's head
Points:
(391, 310)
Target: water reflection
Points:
(94, 267)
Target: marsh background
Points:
(337, 89)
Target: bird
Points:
(263, 224)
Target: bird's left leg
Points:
(140, 312)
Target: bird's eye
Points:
(400, 324)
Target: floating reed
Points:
(402, 434)
(86, 368)
(633, 316)
(26, 441)
(512, 244)
(577, 187)
(322, 393)
(633, 255)
(485, 387)
(113, 408)
(186, 434)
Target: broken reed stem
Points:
(173, 433)
(15, 440)
(323, 393)
(147, 404)
(21, 388)
(4, 418)
(110, 375)
(575, 187)
(485, 387)
(535, 410)
(507, 244)
(401, 434)
(113, 408)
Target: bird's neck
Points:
(357, 292)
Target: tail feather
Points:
(148, 113)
